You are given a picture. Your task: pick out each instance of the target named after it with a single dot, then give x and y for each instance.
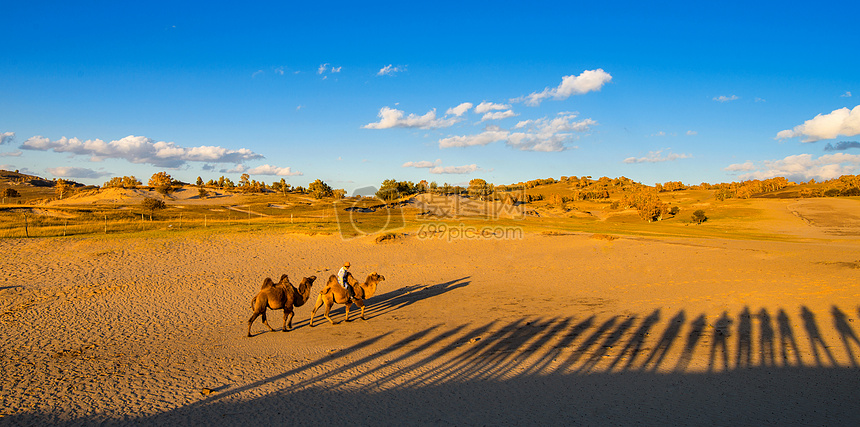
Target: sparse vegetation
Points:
(151, 204)
(699, 216)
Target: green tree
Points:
(319, 189)
(153, 205)
(162, 182)
(699, 216)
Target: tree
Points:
(479, 189)
(130, 182)
(244, 180)
(201, 192)
(62, 187)
(699, 216)
(320, 189)
(115, 182)
(162, 182)
(199, 181)
(9, 192)
(153, 205)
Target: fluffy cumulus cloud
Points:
(7, 137)
(723, 98)
(489, 135)
(842, 122)
(457, 170)
(272, 170)
(394, 118)
(490, 106)
(543, 134)
(422, 164)
(70, 172)
(140, 149)
(801, 167)
(548, 134)
(587, 81)
(459, 110)
(390, 70)
(498, 115)
(656, 157)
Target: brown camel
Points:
(280, 296)
(335, 293)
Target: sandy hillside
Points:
(536, 330)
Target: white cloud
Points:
(803, 167)
(460, 109)
(532, 135)
(272, 170)
(661, 133)
(490, 106)
(459, 170)
(491, 134)
(723, 98)
(336, 69)
(322, 68)
(140, 149)
(498, 115)
(587, 81)
(692, 132)
(740, 167)
(390, 70)
(16, 153)
(71, 172)
(826, 126)
(391, 118)
(7, 137)
(548, 134)
(422, 164)
(846, 95)
(656, 157)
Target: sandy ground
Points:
(539, 330)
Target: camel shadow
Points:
(3, 288)
(403, 297)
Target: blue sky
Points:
(357, 93)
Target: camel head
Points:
(375, 277)
(307, 282)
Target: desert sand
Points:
(543, 329)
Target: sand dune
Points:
(544, 329)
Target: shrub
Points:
(153, 205)
(9, 192)
(699, 216)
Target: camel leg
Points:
(348, 305)
(327, 309)
(361, 304)
(266, 322)
(251, 320)
(288, 323)
(317, 305)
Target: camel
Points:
(280, 296)
(335, 293)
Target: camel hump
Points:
(268, 283)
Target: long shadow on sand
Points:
(622, 369)
(390, 301)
